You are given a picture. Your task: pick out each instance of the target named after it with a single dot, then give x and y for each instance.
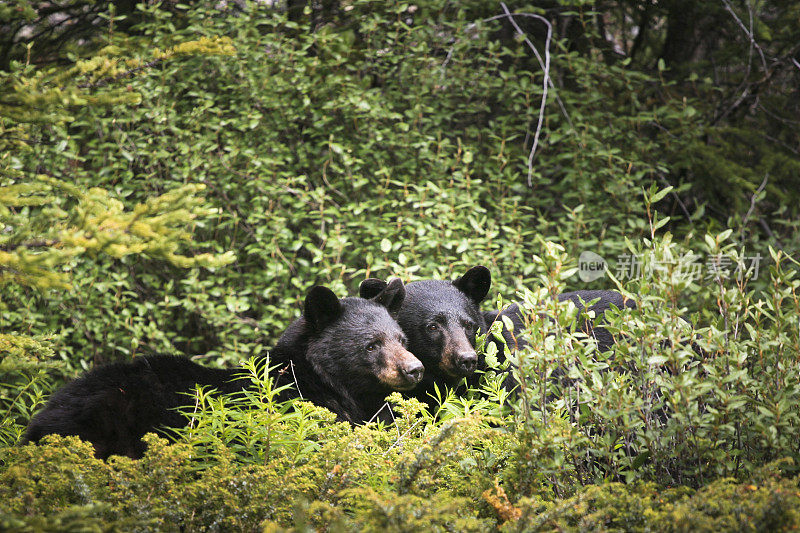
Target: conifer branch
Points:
(41, 243)
(122, 75)
(424, 455)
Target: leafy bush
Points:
(357, 484)
(26, 369)
(767, 504)
(330, 159)
(361, 138)
(673, 401)
(253, 424)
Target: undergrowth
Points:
(669, 429)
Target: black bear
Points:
(346, 355)
(441, 319)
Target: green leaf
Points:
(658, 196)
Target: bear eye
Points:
(433, 326)
(371, 347)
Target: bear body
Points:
(346, 355)
(114, 405)
(604, 339)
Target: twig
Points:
(769, 232)
(749, 34)
(752, 205)
(748, 87)
(247, 320)
(750, 51)
(400, 438)
(277, 250)
(447, 60)
(384, 406)
(542, 63)
(780, 142)
(662, 128)
(732, 106)
(294, 377)
(677, 198)
(394, 420)
(545, 84)
(777, 117)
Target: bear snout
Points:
(413, 372)
(402, 371)
(458, 355)
(466, 362)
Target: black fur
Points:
(334, 366)
(339, 355)
(441, 319)
(114, 405)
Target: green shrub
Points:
(364, 138)
(26, 377)
(674, 401)
(330, 158)
(769, 504)
(254, 424)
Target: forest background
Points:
(174, 177)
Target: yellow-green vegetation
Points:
(174, 177)
(27, 368)
(352, 483)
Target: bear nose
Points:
(413, 372)
(467, 362)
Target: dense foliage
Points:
(173, 178)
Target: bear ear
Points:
(371, 287)
(475, 283)
(392, 296)
(321, 308)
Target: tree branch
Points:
(543, 63)
(749, 34)
(110, 79)
(545, 84)
(43, 243)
